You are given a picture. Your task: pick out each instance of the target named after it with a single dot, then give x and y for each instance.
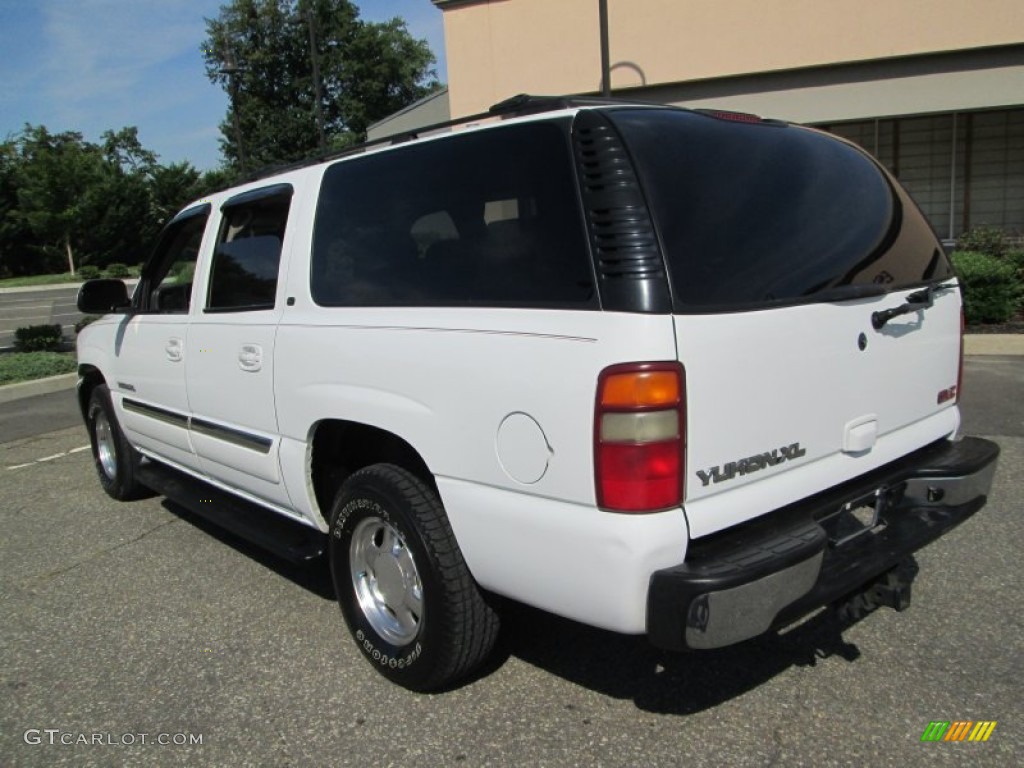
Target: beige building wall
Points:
(498, 48)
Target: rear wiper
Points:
(922, 299)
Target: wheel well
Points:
(340, 448)
(90, 379)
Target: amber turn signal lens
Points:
(640, 389)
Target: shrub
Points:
(1016, 257)
(86, 319)
(37, 338)
(984, 239)
(991, 289)
(88, 272)
(25, 366)
(118, 270)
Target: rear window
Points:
(478, 219)
(767, 213)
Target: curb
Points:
(11, 392)
(994, 344)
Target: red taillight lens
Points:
(960, 368)
(639, 478)
(639, 431)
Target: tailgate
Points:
(782, 244)
(797, 399)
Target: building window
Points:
(964, 169)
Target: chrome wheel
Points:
(105, 450)
(386, 581)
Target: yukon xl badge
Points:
(751, 464)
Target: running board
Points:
(287, 539)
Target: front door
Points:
(148, 387)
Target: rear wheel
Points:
(114, 457)
(404, 589)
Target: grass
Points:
(18, 282)
(25, 366)
(66, 277)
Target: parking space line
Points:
(49, 458)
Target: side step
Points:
(287, 539)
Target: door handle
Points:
(175, 349)
(250, 357)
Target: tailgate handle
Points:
(860, 434)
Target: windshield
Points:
(751, 214)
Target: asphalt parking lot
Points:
(46, 305)
(138, 620)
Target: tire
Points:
(115, 459)
(405, 591)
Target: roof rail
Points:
(525, 104)
(517, 106)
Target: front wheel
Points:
(114, 457)
(404, 589)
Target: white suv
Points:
(688, 374)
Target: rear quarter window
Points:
(755, 214)
(488, 218)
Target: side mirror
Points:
(100, 297)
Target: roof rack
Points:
(516, 106)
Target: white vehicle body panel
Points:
(760, 381)
(444, 380)
(149, 357)
(579, 562)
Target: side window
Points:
(244, 270)
(168, 275)
(480, 219)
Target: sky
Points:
(94, 65)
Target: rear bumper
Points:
(745, 580)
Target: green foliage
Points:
(64, 200)
(366, 72)
(86, 320)
(991, 289)
(25, 366)
(1016, 257)
(88, 272)
(118, 270)
(57, 279)
(991, 241)
(38, 338)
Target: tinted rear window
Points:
(763, 213)
(489, 218)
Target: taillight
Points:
(960, 368)
(639, 437)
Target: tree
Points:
(260, 52)
(66, 202)
(15, 257)
(51, 199)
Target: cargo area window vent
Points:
(627, 257)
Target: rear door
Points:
(230, 376)
(784, 245)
